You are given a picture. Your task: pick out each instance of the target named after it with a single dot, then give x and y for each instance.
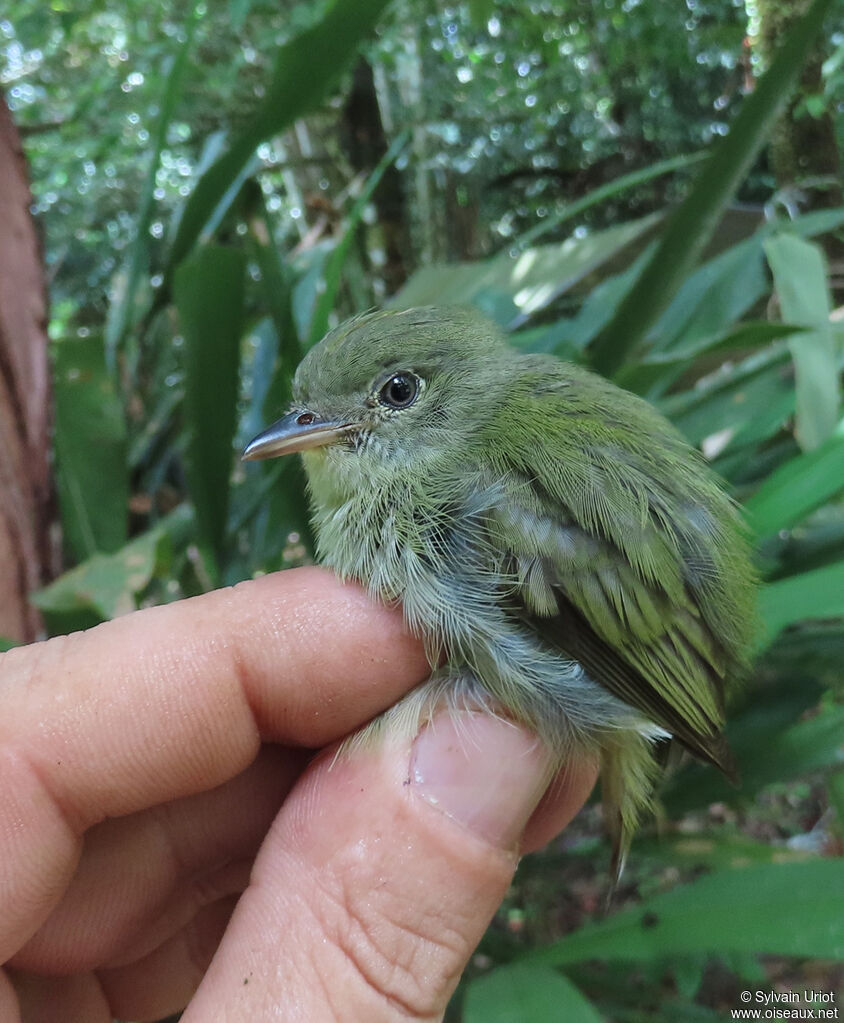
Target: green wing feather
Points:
(628, 555)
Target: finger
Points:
(175, 700)
(379, 878)
(142, 878)
(77, 999)
(163, 982)
(565, 796)
(9, 1004)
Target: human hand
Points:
(166, 837)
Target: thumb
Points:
(380, 875)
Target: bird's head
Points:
(387, 386)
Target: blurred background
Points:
(190, 195)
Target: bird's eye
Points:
(400, 391)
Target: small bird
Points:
(570, 561)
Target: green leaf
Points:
(791, 909)
(107, 585)
(813, 595)
(526, 993)
(209, 294)
(569, 336)
(691, 227)
(657, 370)
(732, 399)
(90, 441)
(480, 10)
(608, 191)
(7, 644)
(511, 290)
(123, 309)
(277, 288)
(714, 297)
(714, 851)
(835, 794)
(769, 753)
(798, 487)
(306, 70)
(238, 10)
(800, 277)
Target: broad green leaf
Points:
(714, 297)
(527, 283)
(7, 644)
(798, 487)
(817, 594)
(814, 650)
(526, 993)
(731, 398)
(652, 374)
(691, 227)
(209, 293)
(714, 851)
(810, 225)
(90, 441)
(306, 70)
(776, 753)
(772, 414)
(791, 909)
(568, 337)
(800, 278)
(106, 585)
(334, 264)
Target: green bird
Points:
(570, 561)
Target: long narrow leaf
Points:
(120, 314)
(785, 909)
(811, 595)
(612, 188)
(306, 69)
(209, 293)
(90, 440)
(692, 225)
(511, 292)
(798, 487)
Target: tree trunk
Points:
(365, 142)
(802, 146)
(25, 493)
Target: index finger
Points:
(174, 700)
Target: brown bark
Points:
(366, 143)
(24, 392)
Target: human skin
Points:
(168, 836)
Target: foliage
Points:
(214, 295)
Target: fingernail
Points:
(487, 773)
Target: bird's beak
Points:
(297, 431)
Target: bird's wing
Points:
(627, 565)
(644, 642)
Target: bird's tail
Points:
(628, 773)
